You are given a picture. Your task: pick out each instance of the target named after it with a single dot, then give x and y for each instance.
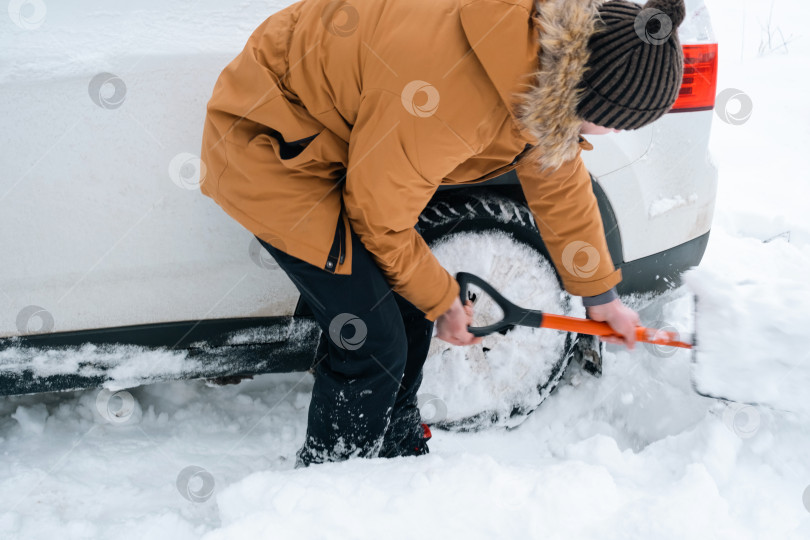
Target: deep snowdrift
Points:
(635, 454)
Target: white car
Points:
(116, 271)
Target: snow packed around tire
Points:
(507, 376)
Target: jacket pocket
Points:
(290, 150)
(321, 155)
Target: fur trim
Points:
(549, 109)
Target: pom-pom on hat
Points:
(635, 66)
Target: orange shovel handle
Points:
(595, 328)
(516, 315)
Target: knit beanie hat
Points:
(635, 66)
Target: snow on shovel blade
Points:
(752, 337)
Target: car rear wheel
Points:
(506, 377)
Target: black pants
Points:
(369, 362)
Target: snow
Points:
(752, 325)
(514, 366)
(296, 330)
(635, 454)
(122, 363)
(123, 366)
(87, 34)
(665, 204)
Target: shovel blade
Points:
(749, 344)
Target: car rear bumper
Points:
(661, 271)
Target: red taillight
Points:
(699, 78)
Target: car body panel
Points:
(100, 232)
(666, 197)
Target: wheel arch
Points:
(508, 187)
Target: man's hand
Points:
(621, 318)
(452, 325)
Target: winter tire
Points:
(505, 378)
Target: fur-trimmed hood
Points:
(548, 111)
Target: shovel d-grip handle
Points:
(514, 315)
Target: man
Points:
(330, 132)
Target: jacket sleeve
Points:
(384, 194)
(567, 215)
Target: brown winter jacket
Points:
(351, 114)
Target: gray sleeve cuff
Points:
(599, 299)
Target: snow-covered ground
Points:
(635, 454)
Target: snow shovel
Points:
(514, 315)
(740, 361)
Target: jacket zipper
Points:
(337, 253)
(342, 230)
